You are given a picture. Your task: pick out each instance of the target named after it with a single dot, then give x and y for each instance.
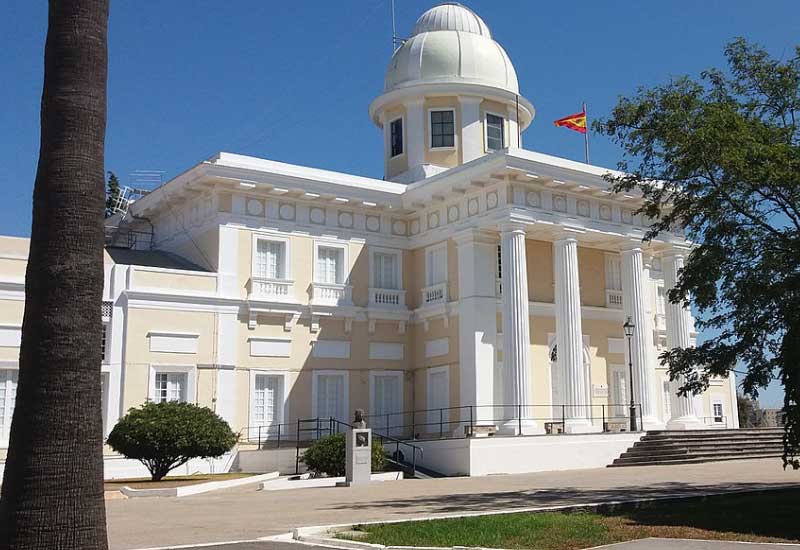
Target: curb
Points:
(187, 490)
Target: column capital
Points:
(566, 234)
(512, 227)
(630, 245)
(674, 250)
(474, 235)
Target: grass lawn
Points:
(756, 517)
(173, 481)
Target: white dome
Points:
(451, 44)
(451, 16)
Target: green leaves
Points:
(327, 455)
(719, 156)
(166, 435)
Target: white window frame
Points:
(398, 253)
(315, 391)
(717, 400)
(345, 260)
(429, 251)
(486, 147)
(429, 395)
(106, 342)
(4, 435)
(666, 395)
(287, 253)
(430, 129)
(402, 120)
(373, 374)
(610, 259)
(191, 379)
(251, 421)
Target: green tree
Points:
(52, 493)
(327, 455)
(719, 156)
(163, 436)
(750, 413)
(112, 193)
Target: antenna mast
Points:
(394, 30)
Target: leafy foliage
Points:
(720, 157)
(163, 436)
(112, 193)
(750, 413)
(327, 455)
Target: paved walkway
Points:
(683, 544)
(244, 513)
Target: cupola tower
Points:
(450, 96)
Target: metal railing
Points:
(468, 420)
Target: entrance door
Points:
(331, 400)
(557, 395)
(619, 392)
(387, 395)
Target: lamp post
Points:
(628, 327)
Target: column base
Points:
(520, 427)
(580, 426)
(689, 422)
(652, 423)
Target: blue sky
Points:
(291, 81)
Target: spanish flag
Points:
(575, 122)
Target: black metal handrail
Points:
(471, 417)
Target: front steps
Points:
(695, 446)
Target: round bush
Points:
(163, 436)
(327, 456)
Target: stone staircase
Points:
(690, 447)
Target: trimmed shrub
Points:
(163, 436)
(327, 456)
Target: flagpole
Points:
(586, 134)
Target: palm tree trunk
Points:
(52, 493)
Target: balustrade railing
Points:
(387, 298)
(614, 299)
(263, 288)
(434, 294)
(330, 294)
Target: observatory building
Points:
(472, 301)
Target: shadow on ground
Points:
(765, 514)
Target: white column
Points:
(569, 335)
(477, 325)
(415, 135)
(633, 304)
(677, 318)
(650, 297)
(516, 331)
(471, 128)
(514, 138)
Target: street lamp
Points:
(628, 327)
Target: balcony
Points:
(434, 294)
(387, 298)
(270, 290)
(331, 294)
(614, 299)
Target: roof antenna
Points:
(396, 42)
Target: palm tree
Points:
(52, 494)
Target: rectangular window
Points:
(613, 273)
(267, 399)
(270, 259)
(667, 393)
(396, 136)
(495, 134)
(661, 300)
(717, 409)
(331, 396)
(438, 399)
(8, 395)
(330, 268)
(387, 401)
(384, 270)
(435, 265)
(170, 386)
(104, 342)
(442, 129)
(499, 262)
